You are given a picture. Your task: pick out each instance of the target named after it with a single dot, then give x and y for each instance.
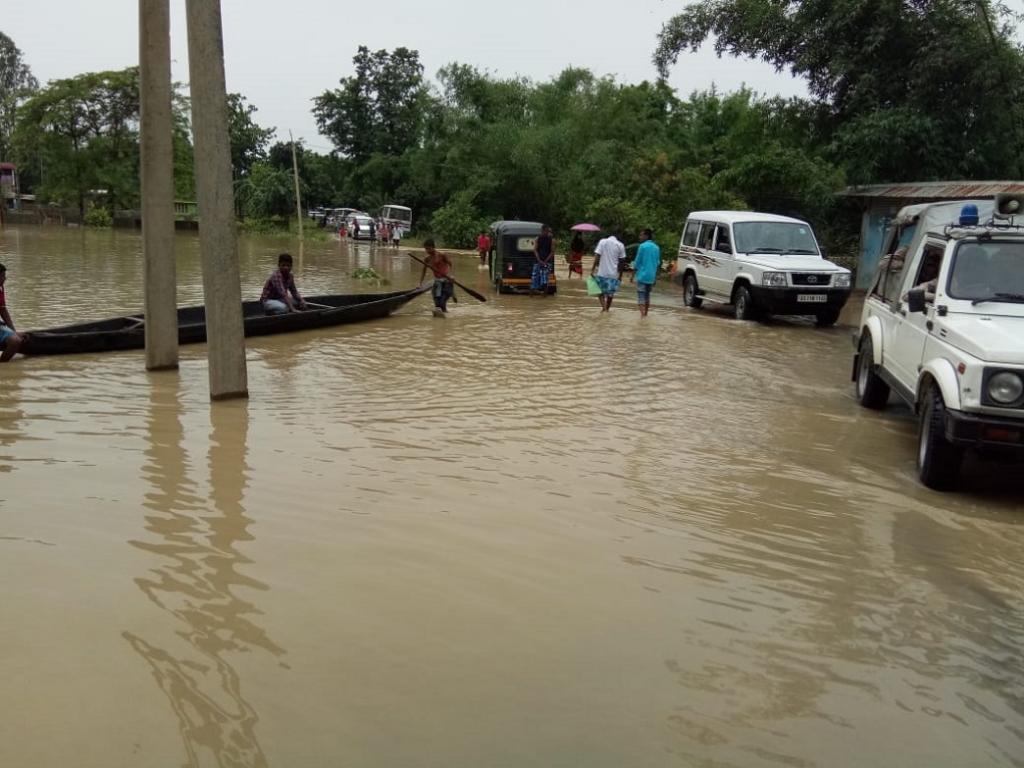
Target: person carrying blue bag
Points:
(607, 255)
(544, 253)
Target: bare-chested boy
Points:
(441, 265)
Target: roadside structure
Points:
(881, 202)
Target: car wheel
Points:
(743, 304)
(872, 392)
(690, 297)
(826, 318)
(938, 460)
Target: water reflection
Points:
(196, 540)
(11, 416)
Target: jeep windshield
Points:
(991, 271)
(778, 237)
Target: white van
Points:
(761, 264)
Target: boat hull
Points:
(124, 333)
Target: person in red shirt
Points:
(483, 247)
(10, 340)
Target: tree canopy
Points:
(84, 132)
(909, 89)
(249, 141)
(379, 109)
(16, 83)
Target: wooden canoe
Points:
(128, 332)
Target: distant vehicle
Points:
(761, 264)
(364, 221)
(512, 259)
(337, 216)
(397, 214)
(943, 328)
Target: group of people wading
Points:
(280, 293)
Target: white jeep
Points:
(761, 264)
(943, 327)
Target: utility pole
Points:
(298, 196)
(157, 172)
(225, 331)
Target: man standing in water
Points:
(441, 265)
(645, 267)
(483, 247)
(607, 255)
(10, 341)
(544, 255)
(280, 294)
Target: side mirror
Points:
(916, 300)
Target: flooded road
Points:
(527, 534)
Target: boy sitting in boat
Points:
(280, 295)
(10, 341)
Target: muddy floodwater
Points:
(524, 535)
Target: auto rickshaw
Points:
(512, 259)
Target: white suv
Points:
(760, 263)
(943, 327)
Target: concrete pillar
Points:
(157, 171)
(215, 195)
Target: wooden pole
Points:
(225, 332)
(298, 195)
(157, 173)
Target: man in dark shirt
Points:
(280, 294)
(10, 341)
(544, 253)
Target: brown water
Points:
(527, 535)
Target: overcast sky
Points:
(280, 55)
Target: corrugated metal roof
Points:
(936, 190)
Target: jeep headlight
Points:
(842, 280)
(774, 280)
(1005, 388)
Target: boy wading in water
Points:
(441, 265)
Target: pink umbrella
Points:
(586, 228)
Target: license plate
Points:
(812, 298)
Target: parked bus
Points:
(397, 214)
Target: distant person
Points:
(483, 247)
(373, 231)
(280, 294)
(645, 267)
(396, 235)
(544, 256)
(10, 340)
(355, 229)
(441, 265)
(576, 250)
(607, 255)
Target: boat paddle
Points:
(470, 291)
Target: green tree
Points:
(266, 192)
(459, 221)
(84, 132)
(907, 86)
(16, 83)
(380, 109)
(249, 140)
